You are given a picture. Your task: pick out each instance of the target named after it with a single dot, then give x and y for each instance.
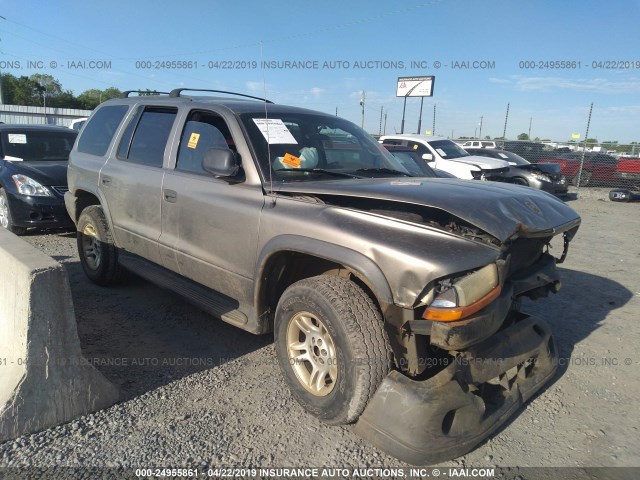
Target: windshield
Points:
(448, 149)
(513, 158)
(35, 145)
(305, 146)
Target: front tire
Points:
(331, 346)
(98, 254)
(520, 181)
(5, 215)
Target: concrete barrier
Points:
(44, 379)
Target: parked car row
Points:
(485, 163)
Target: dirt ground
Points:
(197, 391)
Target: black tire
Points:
(620, 195)
(354, 325)
(520, 181)
(98, 254)
(6, 220)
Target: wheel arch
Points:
(83, 198)
(274, 270)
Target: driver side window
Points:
(202, 131)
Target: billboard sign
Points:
(415, 86)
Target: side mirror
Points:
(427, 156)
(221, 162)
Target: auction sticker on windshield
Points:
(17, 138)
(274, 130)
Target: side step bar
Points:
(210, 301)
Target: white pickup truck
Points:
(443, 154)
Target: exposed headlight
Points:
(465, 296)
(541, 176)
(28, 186)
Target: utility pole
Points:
(404, 108)
(384, 130)
(530, 120)
(336, 111)
(380, 127)
(362, 101)
(506, 117)
(433, 129)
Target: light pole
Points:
(481, 127)
(530, 120)
(362, 100)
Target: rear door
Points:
(132, 181)
(209, 225)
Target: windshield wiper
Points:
(317, 170)
(384, 170)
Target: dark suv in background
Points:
(33, 176)
(531, 151)
(387, 293)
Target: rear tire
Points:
(98, 254)
(5, 215)
(331, 346)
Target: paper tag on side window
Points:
(193, 140)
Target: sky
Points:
(483, 54)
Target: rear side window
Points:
(99, 131)
(150, 137)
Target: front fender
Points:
(325, 250)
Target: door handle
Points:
(106, 180)
(170, 196)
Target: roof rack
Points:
(176, 93)
(126, 93)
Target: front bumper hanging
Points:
(447, 415)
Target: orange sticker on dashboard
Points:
(291, 160)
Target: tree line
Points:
(39, 90)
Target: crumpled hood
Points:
(550, 168)
(485, 163)
(502, 210)
(45, 172)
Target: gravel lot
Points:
(198, 392)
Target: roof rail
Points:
(176, 93)
(126, 93)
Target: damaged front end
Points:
(469, 357)
(458, 258)
(440, 418)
